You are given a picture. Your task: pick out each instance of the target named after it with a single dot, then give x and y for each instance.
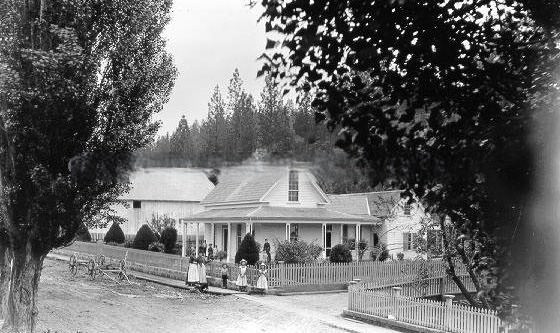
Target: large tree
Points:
(438, 95)
(79, 83)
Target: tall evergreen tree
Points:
(180, 141)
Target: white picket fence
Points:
(446, 317)
(382, 273)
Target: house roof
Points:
(244, 184)
(380, 204)
(168, 184)
(349, 204)
(278, 213)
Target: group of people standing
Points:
(241, 282)
(196, 274)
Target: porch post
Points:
(228, 250)
(196, 240)
(288, 229)
(324, 237)
(358, 235)
(184, 239)
(213, 234)
(341, 233)
(248, 228)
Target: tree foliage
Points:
(83, 234)
(438, 96)
(79, 83)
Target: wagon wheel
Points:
(122, 273)
(72, 265)
(100, 259)
(92, 269)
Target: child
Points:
(262, 282)
(202, 275)
(242, 277)
(224, 271)
(192, 273)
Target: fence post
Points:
(282, 273)
(396, 297)
(441, 286)
(447, 319)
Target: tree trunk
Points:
(5, 261)
(20, 306)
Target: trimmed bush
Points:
(168, 239)
(156, 247)
(400, 256)
(341, 253)
(221, 255)
(83, 234)
(297, 251)
(144, 237)
(248, 250)
(114, 235)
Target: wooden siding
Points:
(308, 195)
(136, 217)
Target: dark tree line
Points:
(238, 128)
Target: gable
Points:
(309, 193)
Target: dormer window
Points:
(293, 186)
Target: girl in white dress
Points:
(192, 273)
(242, 277)
(262, 282)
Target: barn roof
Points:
(244, 184)
(168, 184)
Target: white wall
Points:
(136, 217)
(393, 228)
(308, 195)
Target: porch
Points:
(226, 227)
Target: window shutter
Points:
(406, 244)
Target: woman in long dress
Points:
(202, 274)
(192, 273)
(242, 276)
(262, 282)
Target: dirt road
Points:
(68, 304)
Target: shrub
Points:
(221, 255)
(160, 223)
(128, 244)
(114, 244)
(362, 247)
(115, 234)
(156, 247)
(144, 237)
(169, 239)
(297, 251)
(400, 256)
(384, 253)
(83, 234)
(247, 250)
(341, 253)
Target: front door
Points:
(328, 240)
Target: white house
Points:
(285, 202)
(400, 222)
(172, 192)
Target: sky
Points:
(208, 40)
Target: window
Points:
(344, 233)
(294, 232)
(136, 204)
(293, 186)
(407, 241)
(375, 239)
(406, 209)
